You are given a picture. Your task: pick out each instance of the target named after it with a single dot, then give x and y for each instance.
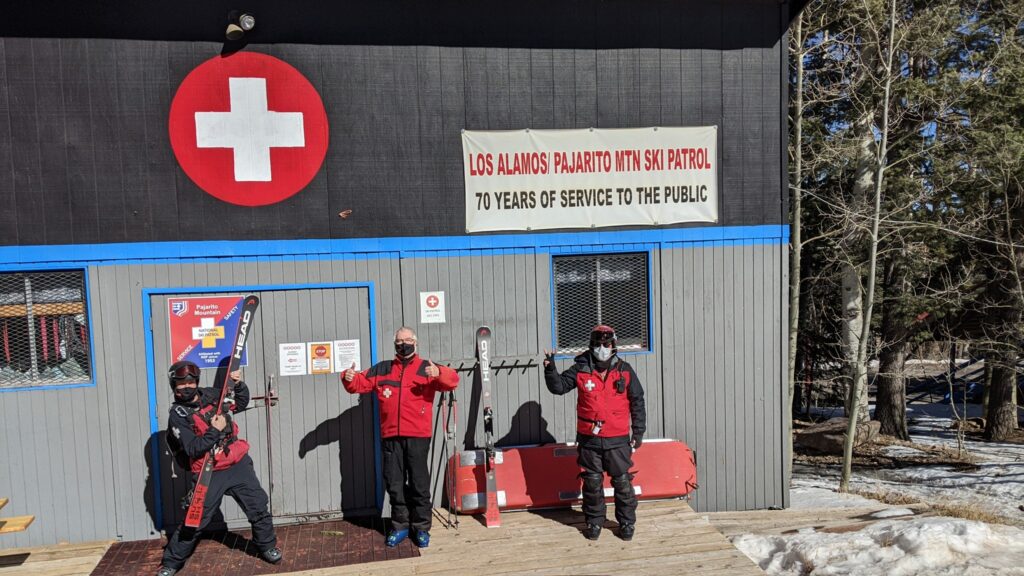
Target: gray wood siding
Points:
(714, 379)
(724, 382)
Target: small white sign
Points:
(345, 353)
(432, 308)
(291, 359)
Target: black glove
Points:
(637, 441)
(549, 361)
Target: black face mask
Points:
(405, 349)
(185, 394)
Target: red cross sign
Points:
(432, 301)
(248, 129)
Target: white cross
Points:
(250, 129)
(208, 332)
(387, 392)
(589, 385)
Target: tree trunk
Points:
(795, 239)
(1001, 419)
(853, 322)
(891, 399)
(891, 402)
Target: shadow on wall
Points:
(351, 431)
(174, 484)
(527, 427)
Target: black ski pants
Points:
(407, 480)
(241, 483)
(616, 461)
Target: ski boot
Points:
(165, 571)
(422, 539)
(626, 531)
(592, 531)
(272, 555)
(396, 537)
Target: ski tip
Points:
(483, 331)
(252, 299)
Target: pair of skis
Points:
(492, 516)
(197, 503)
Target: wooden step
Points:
(15, 523)
(3, 502)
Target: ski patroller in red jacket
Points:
(404, 392)
(599, 399)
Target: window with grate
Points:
(597, 289)
(44, 330)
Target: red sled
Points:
(531, 477)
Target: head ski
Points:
(198, 500)
(492, 517)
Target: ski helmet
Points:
(183, 370)
(603, 334)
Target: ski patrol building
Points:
(537, 167)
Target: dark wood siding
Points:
(85, 157)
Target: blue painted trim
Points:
(88, 319)
(650, 305)
(363, 248)
(154, 419)
(554, 310)
(570, 250)
(378, 467)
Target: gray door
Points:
(322, 438)
(313, 446)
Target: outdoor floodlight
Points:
(237, 27)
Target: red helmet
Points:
(603, 334)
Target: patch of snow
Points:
(916, 545)
(815, 492)
(919, 547)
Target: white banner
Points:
(543, 179)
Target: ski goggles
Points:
(185, 372)
(606, 339)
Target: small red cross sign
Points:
(248, 129)
(432, 301)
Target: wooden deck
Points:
(63, 560)
(670, 539)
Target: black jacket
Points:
(179, 424)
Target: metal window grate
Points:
(597, 289)
(44, 330)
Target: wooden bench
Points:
(14, 523)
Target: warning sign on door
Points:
(291, 357)
(320, 357)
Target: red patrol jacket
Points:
(405, 394)
(230, 451)
(598, 400)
